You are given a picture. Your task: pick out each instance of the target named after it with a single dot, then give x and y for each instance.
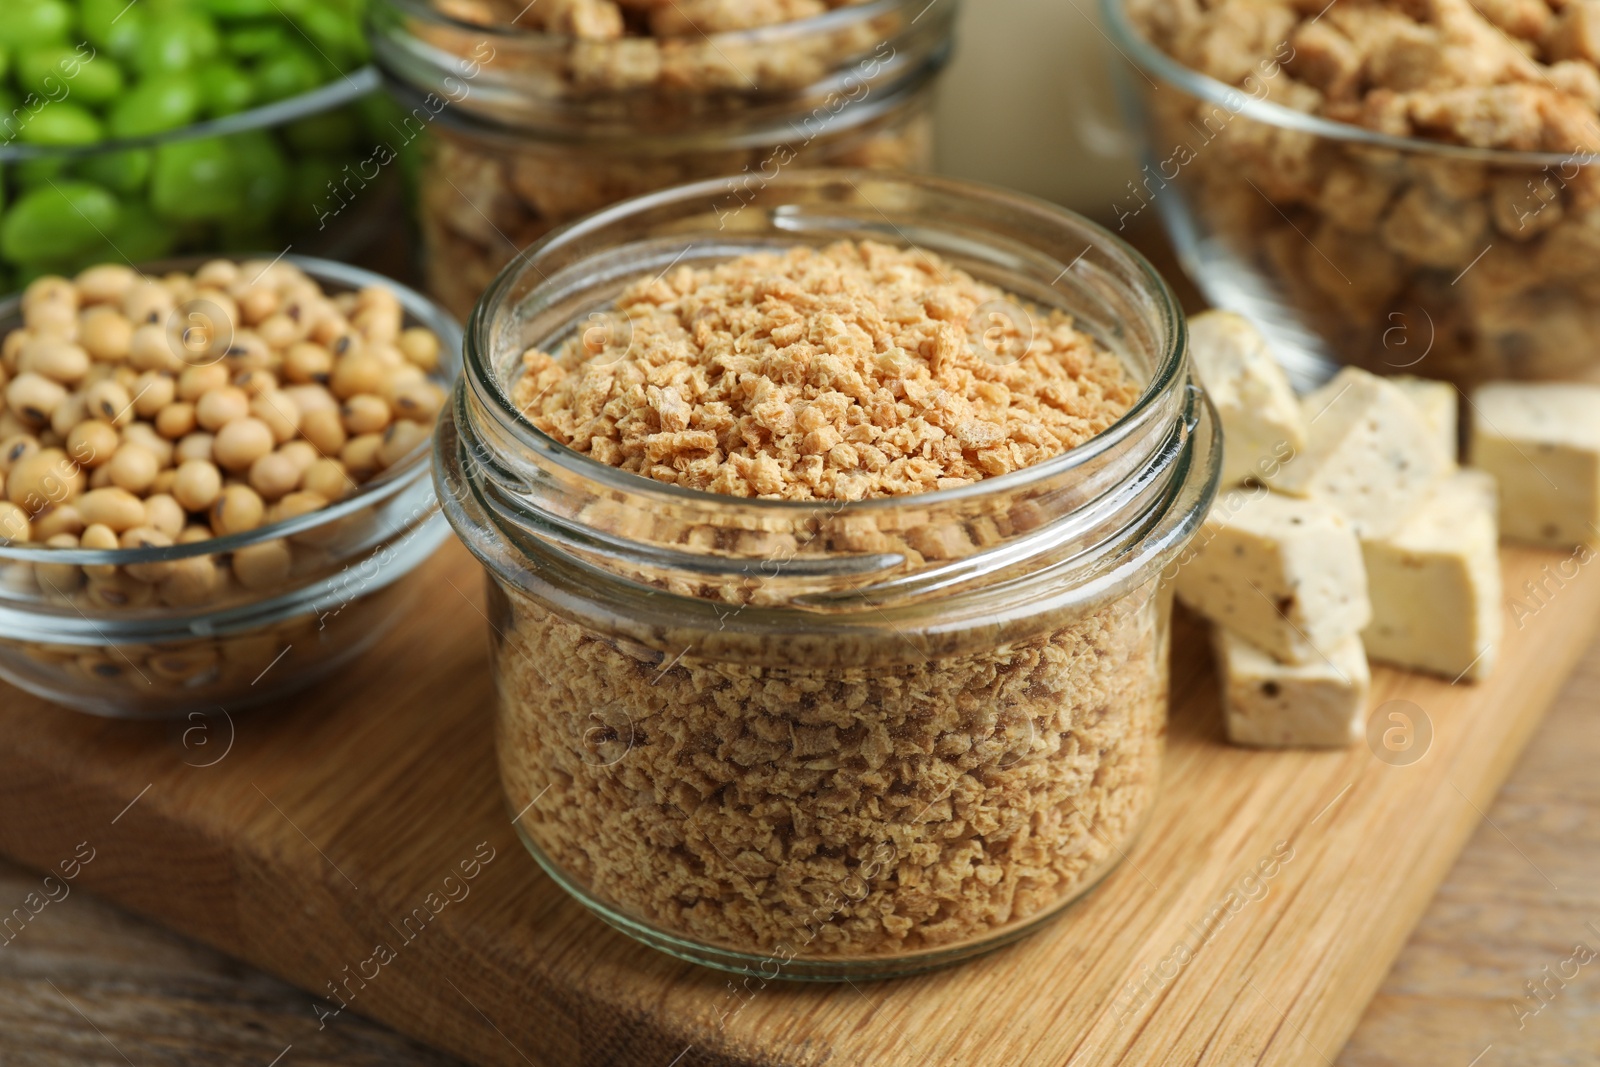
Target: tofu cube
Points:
(1541, 442)
(1440, 405)
(1262, 424)
(1321, 704)
(1282, 572)
(1371, 454)
(1434, 583)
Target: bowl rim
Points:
(1150, 60)
(348, 87)
(417, 307)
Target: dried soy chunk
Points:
(951, 826)
(825, 411)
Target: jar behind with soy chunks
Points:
(826, 572)
(532, 116)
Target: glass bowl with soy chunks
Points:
(137, 131)
(213, 477)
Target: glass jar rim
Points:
(1150, 60)
(525, 85)
(1048, 539)
(479, 374)
(767, 131)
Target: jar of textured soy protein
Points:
(825, 565)
(531, 115)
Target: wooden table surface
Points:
(89, 984)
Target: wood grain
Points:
(167, 1001)
(85, 983)
(329, 820)
(1525, 892)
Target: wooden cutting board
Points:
(300, 838)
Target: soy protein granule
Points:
(795, 796)
(854, 371)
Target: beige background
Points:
(1028, 103)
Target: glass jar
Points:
(830, 740)
(524, 131)
(1349, 245)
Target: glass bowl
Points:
(303, 171)
(98, 630)
(1347, 245)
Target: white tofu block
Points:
(1295, 705)
(1541, 442)
(1262, 424)
(1440, 405)
(1284, 573)
(1434, 583)
(1371, 454)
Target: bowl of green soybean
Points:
(133, 131)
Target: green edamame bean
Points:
(124, 172)
(98, 81)
(257, 40)
(113, 26)
(177, 42)
(195, 181)
(62, 123)
(287, 72)
(333, 34)
(57, 221)
(225, 89)
(156, 104)
(42, 69)
(27, 23)
(57, 71)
